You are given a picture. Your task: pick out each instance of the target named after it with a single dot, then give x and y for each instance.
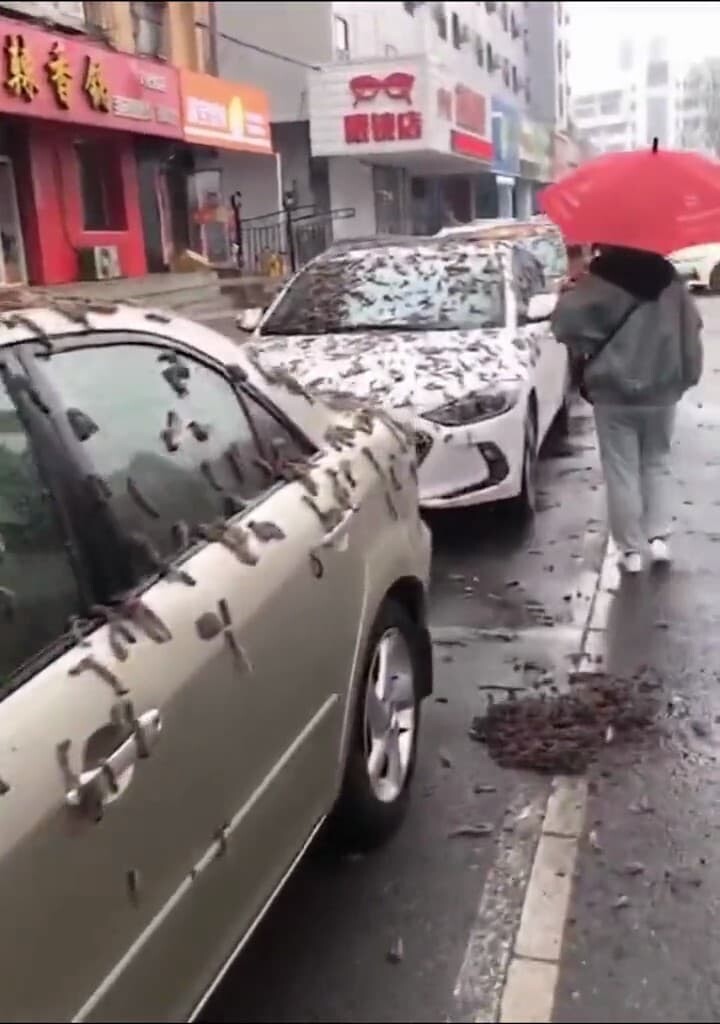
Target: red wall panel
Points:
(52, 204)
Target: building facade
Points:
(113, 130)
(412, 115)
(642, 102)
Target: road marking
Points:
(512, 961)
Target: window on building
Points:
(479, 50)
(341, 33)
(506, 71)
(559, 13)
(101, 186)
(610, 102)
(149, 21)
(167, 459)
(515, 79)
(440, 20)
(658, 73)
(38, 587)
(504, 15)
(526, 41)
(561, 102)
(559, 56)
(528, 91)
(514, 26)
(489, 53)
(455, 30)
(490, 6)
(657, 115)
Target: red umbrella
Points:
(660, 200)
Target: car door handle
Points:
(99, 786)
(339, 532)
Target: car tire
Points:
(376, 787)
(523, 506)
(714, 280)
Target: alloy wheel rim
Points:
(390, 716)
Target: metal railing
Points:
(279, 243)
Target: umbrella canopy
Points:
(660, 200)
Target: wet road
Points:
(643, 935)
(507, 611)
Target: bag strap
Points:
(616, 330)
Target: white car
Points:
(699, 266)
(451, 336)
(212, 638)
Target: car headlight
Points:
(475, 407)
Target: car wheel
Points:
(383, 742)
(714, 281)
(523, 506)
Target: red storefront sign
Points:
(386, 125)
(470, 111)
(63, 78)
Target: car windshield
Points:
(549, 251)
(393, 288)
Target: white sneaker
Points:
(660, 551)
(631, 562)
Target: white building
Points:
(641, 102)
(698, 121)
(444, 143)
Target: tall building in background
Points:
(699, 114)
(641, 102)
(404, 116)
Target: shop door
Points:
(12, 250)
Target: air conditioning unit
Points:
(99, 263)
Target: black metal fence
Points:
(279, 243)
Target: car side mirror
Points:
(541, 307)
(249, 319)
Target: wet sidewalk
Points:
(642, 938)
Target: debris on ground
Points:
(564, 733)
(396, 953)
(479, 831)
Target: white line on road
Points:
(511, 966)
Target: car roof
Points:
(416, 243)
(27, 313)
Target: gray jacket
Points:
(655, 356)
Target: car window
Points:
(549, 250)
(528, 277)
(445, 287)
(276, 439)
(169, 441)
(38, 586)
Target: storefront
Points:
(404, 143)
(230, 164)
(535, 165)
(506, 154)
(70, 112)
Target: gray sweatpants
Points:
(634, 448)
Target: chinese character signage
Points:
(396, 121)
(65, 79)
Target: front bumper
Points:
(471, 465)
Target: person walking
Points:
(633, 334)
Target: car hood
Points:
(405, 369)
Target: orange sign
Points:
(224, 114)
